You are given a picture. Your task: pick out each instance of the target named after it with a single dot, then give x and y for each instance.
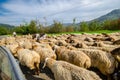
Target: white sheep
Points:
(65, 71)
(29, 58)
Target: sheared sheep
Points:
(65, 71)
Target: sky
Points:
(16, 12)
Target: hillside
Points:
(114, 14)
(6, 25)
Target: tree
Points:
(106, 24)
(56, 28)
(32, 28)
(75, 27)
(112, 24)
(94, 25)
(84, 27)
(3, 30)
(69, 29)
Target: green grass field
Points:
(90, 32)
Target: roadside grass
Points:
(89, 32)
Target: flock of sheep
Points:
(69, 56)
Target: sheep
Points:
(65, 71)
(101, 44)
(27, 44)
(13, 48)
(117, 42)
(61, 43)
(116, 54)
(75, 57)
(81, 45)
(44, 52)
(9, 40)
(2, 42)
(70, 47)
(89, 39)
(29, 58)
(106, 49)
(105, 62)
(43, 45)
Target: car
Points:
(9, 68)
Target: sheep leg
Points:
(37, 70)
(108, 77)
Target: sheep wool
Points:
(75, 57)
(45, 52)
(29, 58)
(65, 71)
(116, 53)
(105, 62)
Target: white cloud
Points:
(63, 10)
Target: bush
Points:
(3, 30)
(84, 27)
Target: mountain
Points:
(6, 25)
(114, 14)
(67, 24)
